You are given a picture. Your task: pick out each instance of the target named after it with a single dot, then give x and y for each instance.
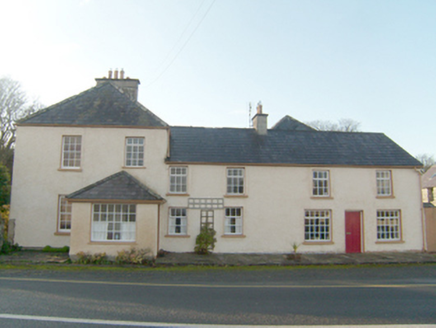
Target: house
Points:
(428, 181)
(101, 173)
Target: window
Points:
(177, 224)
(320, 183)
(317, 225)
(64, 215)
(233, 221)
(135, 152)
(388, 225)
(384, 183)
(235, 181)
(178, 180)
(71, 152)
(113, 222)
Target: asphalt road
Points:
(280, 296)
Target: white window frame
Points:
(233, 221)
(178, 179)
(134, 152)
(113, 222)
(384, 183)
(317, 225)
(388, 225)
(64, 214)
(320, 183)
(178, 221)
(71, 152)
(235, 180)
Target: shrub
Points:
(50, 249)
(205, 241)
(87, 258)
(134, 256)
(8, 248)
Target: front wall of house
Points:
(275, 201)
(273, 204)
(146, 232)
(38, 179)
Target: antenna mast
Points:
(250, 122)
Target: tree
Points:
(14, 105)
(5, 188)
(426, 160)
(343, 125)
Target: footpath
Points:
(215, 259)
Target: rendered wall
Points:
(38, 180)
(273, 211)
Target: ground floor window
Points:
(388, 225)
(113, 222)
(317, 225)
(64, 215)
(178, 221)
(233, 221)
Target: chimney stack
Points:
(128, 86)
(260, 121)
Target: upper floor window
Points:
(178, 177)
(135, 151)
(233, 221)
(235, 181)
(384, 183)
(321, 183)
(113, 222)
(64, 215)
(71, 152)
(388, 225)
(178, 221)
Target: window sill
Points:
(174, 194)
(112, 242)
(177, 236)
(57, 233)
(390, 242)
(235, 196)
(321, 197)
(233, 236)
(385, 197)
(133, 167)
(61, 169)
(318, 243)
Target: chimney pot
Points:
(259, 107)
(122, 74)
(109, 74)
(116, 74)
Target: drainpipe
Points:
(423, 218)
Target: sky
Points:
(202, 62)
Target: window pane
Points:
(134, 151)
(113, 222)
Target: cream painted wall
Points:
(273, 209)
(38, 181)
(277, 197)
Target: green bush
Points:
(134, 256)
(8, 248)
(50, 249)
(205, 241)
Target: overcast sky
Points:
(201, 62)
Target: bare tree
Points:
(343, 125)
(426, 160)
(14, 105)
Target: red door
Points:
(353, 240)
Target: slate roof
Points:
(245, 146)
(291, 124)
(104, 104)
(428, 179)
(120, 186)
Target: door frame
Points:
(362, 234)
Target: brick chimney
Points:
(127, 85)
(260, 121)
